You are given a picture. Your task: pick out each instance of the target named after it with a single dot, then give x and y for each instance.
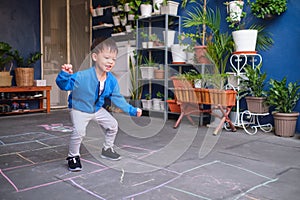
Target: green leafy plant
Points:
(5, 56)
(26, 62)
(255, 81)
(263, 8)
(147, 96)
(283, 96)
(202, 18)
(159, 95)
(149, 62)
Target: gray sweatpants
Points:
(80, 121)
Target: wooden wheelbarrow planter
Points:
(190, 98)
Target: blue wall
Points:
(20, 27)
(20, 21)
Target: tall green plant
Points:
(136, 88)
(283, 96)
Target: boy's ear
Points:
(94, 57)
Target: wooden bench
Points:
(190, 98)
(28, 89)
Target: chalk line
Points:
(86, 190)
(186, 192)
(137, 184)
(255, 187)
(25, 158)
(206, 164)
(10, 181)
(153, 188)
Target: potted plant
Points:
(25, 68)
(267, 9)
(200, 17)
(248, 40)
(147, 102)
(284, 97)
(147, 69)
(156, 102)
(146, 8)
(5, 60)
(254, 84)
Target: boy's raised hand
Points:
(67, 68)
(139, 112)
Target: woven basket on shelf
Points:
(24, 76)
(5, 79)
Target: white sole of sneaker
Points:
(75, 170)
(108, 158)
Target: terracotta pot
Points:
(159, 73)
(285, 123)
(174, 107)
(200, 54)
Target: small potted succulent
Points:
(283, 96)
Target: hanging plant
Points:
(267, 8)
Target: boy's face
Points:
(105, 60)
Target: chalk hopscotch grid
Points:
(165, 184)
(103, 168)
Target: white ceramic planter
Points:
(190, 57)
(116, 20)
(146, 10)
(157, 3)
(156, 103)
(147, 72)
(171, 8)
(245, 40)
(169, 41)
(178, 55)
(144, 45)
(147, 104)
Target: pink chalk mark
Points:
(10, 181)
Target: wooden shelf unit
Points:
(28, 89)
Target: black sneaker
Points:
(74, 164)
(110, 154)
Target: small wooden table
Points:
(24, 89)
(190, 99)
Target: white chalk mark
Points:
(137, 184)
(122, 176)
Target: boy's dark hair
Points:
(100, 43)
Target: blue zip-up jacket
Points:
(85, 91)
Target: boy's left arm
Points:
(121, 103)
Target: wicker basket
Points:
(5, 79)
(24, 76)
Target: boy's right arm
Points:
(65, 79)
